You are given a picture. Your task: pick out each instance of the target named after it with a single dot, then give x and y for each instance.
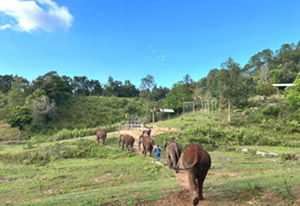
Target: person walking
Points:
(149, 132)
(157, 151)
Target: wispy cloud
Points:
(158, 53)
(5, 26)
(34, 15)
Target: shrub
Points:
(70, 134)
(77, 149)
(272, 110)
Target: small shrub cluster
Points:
(211, 137)
(272, 110)
(289, 156)
(77, 149)
(70, 134)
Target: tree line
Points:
(230, 85)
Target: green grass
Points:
(239, 178)
(278, 150)
(233, 179)
(126, 176)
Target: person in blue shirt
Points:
(157, 151)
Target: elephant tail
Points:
(194, 163)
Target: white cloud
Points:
(5, 26)
(33, 15)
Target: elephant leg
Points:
(194, 188)
(200, 181)
(169, 161)
(132, 148)
(173, 158)
(103, 141)
(200, 188)
(145, 151)
(122, 146)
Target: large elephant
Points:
(148, 144)
(101, 135)
(197, 163)
(173, 150)
(126, 140)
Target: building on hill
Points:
(166, 111)
(283, 86)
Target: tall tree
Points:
(56, 88)
(230, 82)
(43, 109)
(147, 84)
(6, 82)
(178, 94)
(17, 93)
(294, 94)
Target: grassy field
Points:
(118, 177)
(80, 172)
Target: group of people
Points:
(157, 149)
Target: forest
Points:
(52, 102)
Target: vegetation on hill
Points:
(52, 102)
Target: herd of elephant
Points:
(196, 161)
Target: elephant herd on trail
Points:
(196, 161)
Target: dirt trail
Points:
(181, 198)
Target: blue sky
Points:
(133, 38)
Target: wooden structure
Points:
(132, 125)
(166, 111)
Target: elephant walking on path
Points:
(101, 135)
(173, 150)
(148, 144)
(127, 140)
(197, 162)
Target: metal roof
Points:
(166, 110)
(283, 85)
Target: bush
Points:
(289, 157)
(77, 149)
(70, 134)
(272, 110)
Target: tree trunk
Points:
(229, 110)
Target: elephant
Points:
(148, 145)
(173, 150)
(127, 140)
(196, 162)
(101, 135)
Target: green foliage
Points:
(293, 96)
(179, 93)
(77, 149)
(265, 89)
(21, 117)
(272, 110)
(17, 93)
(70, 134)
(89, 112)
(56, 88)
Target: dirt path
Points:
(181, 198)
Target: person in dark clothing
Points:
(149, 132)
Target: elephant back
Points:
(101, 134)
(128, 139)
(196, 157)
